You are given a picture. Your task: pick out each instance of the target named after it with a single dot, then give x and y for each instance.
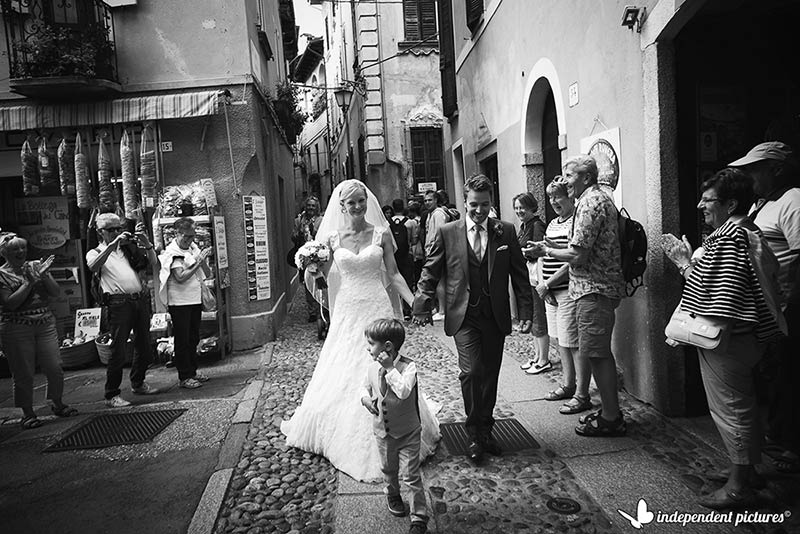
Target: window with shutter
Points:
(474, 13)
(447, 59)
(426, 155)
(419, 19)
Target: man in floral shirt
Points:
(596, 285)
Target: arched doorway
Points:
(542, 155)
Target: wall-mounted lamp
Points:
(343, 96)
(634, 16)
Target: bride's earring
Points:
(344, 210)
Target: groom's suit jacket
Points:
(448, 260)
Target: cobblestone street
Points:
(280, 489)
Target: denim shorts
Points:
(595, 317)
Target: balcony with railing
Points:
(60, 49)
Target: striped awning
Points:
(120, 110)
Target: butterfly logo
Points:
(643, 515)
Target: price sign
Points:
(257, 247)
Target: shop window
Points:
(474, 14)
(426, 156)
(419, 19)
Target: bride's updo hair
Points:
(349, 188)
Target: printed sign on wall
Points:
(221, 243)
(255, 233)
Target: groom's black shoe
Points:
(475, 450)
(491, 446)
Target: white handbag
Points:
(702, 331)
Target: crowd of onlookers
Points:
(744, 276)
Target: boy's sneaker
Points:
(144, 389)
(396, 505)
(201, 378)
(117, 402)
(418, 527)
(190, 383)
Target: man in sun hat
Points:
(774, 169)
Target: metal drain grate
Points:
(563, 505)
(108, 430)
(509, 433)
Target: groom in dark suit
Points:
(476, 257)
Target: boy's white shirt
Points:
(400, 383)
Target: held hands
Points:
(371, 404)
(422, 319)
(679, 251)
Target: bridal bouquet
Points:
(311, 255)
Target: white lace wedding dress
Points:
(331, 420)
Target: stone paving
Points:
(280, 489)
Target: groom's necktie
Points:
(384, 385)
(477, 243)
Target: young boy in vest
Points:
(391, 395)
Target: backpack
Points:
(633, 251)
(400, 234)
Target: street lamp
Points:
(343, 97)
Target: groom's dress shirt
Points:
(472, 235)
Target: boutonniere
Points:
(498, 229)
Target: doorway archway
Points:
(543, 121)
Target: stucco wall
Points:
(167, 42)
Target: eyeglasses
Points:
(709, 200)
(113, 229)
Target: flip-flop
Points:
(64, 411)
(30, 421)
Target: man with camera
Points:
(118, 260)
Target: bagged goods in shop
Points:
(82, 185)
(107, 194)
(66, 167)
(48, 170)
(147, 157)
(30, 170)
(129, 195)
(177, 199)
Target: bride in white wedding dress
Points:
(363, 281)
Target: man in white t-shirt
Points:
(117, 260)
(774, 170)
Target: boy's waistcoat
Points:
(396, 417)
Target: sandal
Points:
(64, 411)
(560, 393)
(30, 421)
(599, 427)
(589, 417)
(576, 405)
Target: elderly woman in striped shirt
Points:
(723, 282)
